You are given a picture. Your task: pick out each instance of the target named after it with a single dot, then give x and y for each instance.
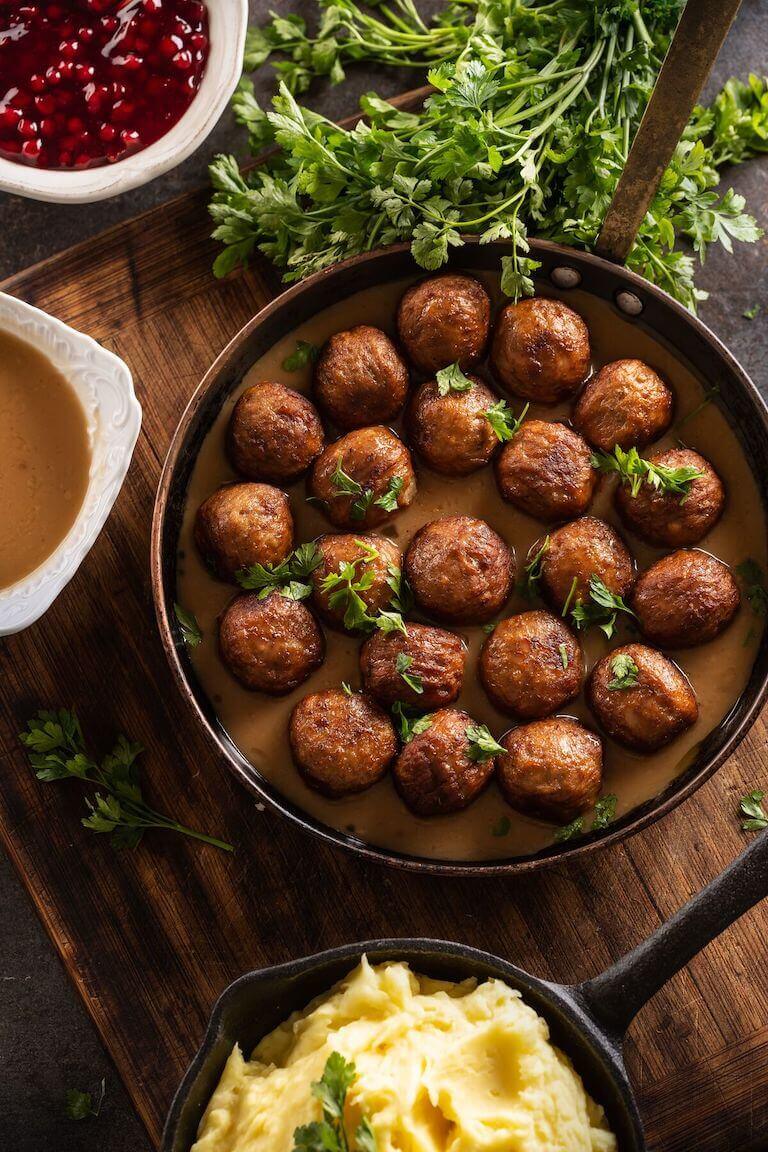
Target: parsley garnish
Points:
(56, 750)
(346, 688)
(452, 379)
(388, 500)
(190, 629)
(482, 745)
(80, 1105)
(604, 813)
(290, 578)
(751, 313)
(634, 470)
(344, 590)
(402, 596)
(563, 650)
(304, 354)
(751, 806)
(329, 1134)
(345, 485)
(709, 396)
(601, 609)
(532, 569)
(408, 722)
(502, 826)
(625, 672)
(753, 579)
(402, 663)
(568, 831)
(503, 420)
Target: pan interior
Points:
(240, 720)
(254, 1005)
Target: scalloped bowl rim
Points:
(104, 386)
(228, 24)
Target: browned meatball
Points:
(435, 773)
(540, 350)
(531, 664)
(270, 645)
(584, 548)
(243, 524)
(666, 518)
(429, 657)
(376, 465)
(545, 470)
(444, 320)
(274, 433)
(341, 743)
(452, 433)
(552, 769)
(625, 403)
(360, 378)
(685, 599)
(336, 551)
(641, 698)
(460, 570)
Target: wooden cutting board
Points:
(151, 937)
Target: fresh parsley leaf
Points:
(569, 831)
(633, 470)
(57, 751)
(752, 313)
(289, 578)
(190, 629)
(388, 500)
(751, 806)
(532, 569)
(387, 622)
(360, 506)
(344, 589)
(304, 354)
(402, 596)
(452, 379)
(753, 579)
(605, 812)
(408, 722)
(490, 627)
(330, 1135)
(80, 1105)
(344, 484)
(346, 688)
(625, 672)
(482, 745)
(502, 826)
(402, 663)
(503, 420)
(564, 660)
(601, 609)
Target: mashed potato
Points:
(440, 1068)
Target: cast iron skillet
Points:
(587, 1021)
(738, 399)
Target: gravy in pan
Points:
(489, 828)
(45, 458)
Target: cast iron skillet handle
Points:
(702, 29)
(615, 997)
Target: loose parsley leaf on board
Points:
(482, 745)
(190, 629)
(503, 420)
(452, 379)
(305, 353)
(625, 672)
(751, 806)
(80, 1105)
(402, 663)
(751, 313)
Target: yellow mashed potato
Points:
(441, 1067)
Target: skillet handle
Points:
(699, 36)
(615, 997)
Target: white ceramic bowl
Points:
(228, 21)
(104, 387)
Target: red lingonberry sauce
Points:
(88, 82)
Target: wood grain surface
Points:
(151, 937)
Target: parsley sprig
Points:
(330, 1133)
(57, 751)
(404, 661)
(625, 673)
(604, 814)
(634, 471)
(601, 609)
(503, 420)
(452, 379)
(345, 589)
(290, 578)
(408, 722)
(346, 485)
(482, 745)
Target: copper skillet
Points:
(702, 28)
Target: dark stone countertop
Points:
(47, 1042)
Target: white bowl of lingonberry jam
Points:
(100, 96)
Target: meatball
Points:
(274, 433)
(584, 548)
(625, 403)
(360, 378)
(372, 556)
(429, 657)
(243, 524)
(460, 570)
(546, 471)
(668, 519)
(540, 350)
(435, 772)
(685, 599)
(444, 320)
(452, 433)
(270, 645)
(640, 697)
(364, 478)
(551, 769)
(341, 743)
(531, 665)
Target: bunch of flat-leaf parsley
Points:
(535, 105)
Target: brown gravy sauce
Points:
(45, 458)
(718, 671)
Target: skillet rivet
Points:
(629, 303)
(565, 277)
